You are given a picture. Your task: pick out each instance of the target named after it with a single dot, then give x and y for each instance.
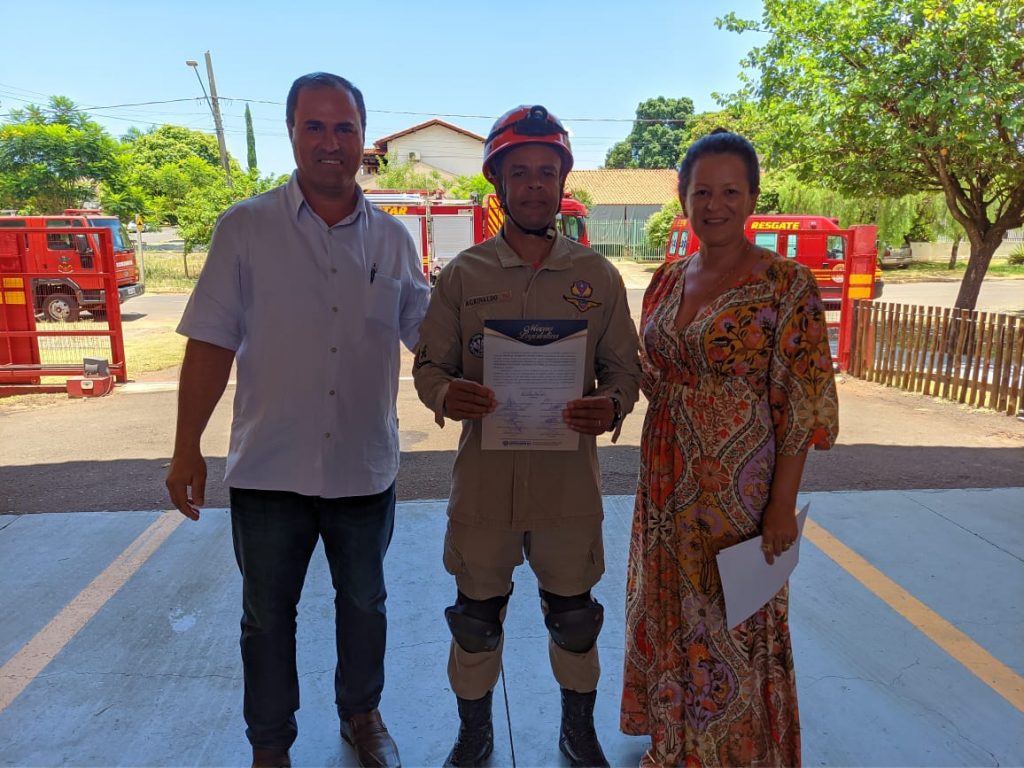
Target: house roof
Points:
(382, 142)
(625, 186)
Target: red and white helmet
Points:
(525, 125)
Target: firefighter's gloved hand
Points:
(187, 472)
(468, 400)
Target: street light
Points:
(195, 67)
(211, 100)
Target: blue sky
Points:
(590, 63)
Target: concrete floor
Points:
(154, 678)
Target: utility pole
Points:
(216, 118)
(214, 105)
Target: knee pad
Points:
(573, 622)
(476, 624)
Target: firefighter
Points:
(544, 505)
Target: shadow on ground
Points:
(137, 484)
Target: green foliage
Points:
(250, 141)
(200, 208)
(1016, 257)
(403, 175)
(164, 166)
(659, 224)
(899, 219)
(583, 196)
(52, 157)
(172, 144)
(464, 187)
(889, 99)
(660, 126)
(740, 117)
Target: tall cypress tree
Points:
(250, 140)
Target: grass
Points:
(154, 350)
(165, 271)
(146, 349)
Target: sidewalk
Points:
(636, 275)
(154, 679)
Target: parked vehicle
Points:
(442, 228)
(817, 242)
(891, 257)
(70, 263)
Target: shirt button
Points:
(334, 309)
(331, 392)
(327, 434)
(333, 270)
(334, 349)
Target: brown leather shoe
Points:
(369, 736)
(270, 758)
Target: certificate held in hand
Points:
(748, 581)
(534, 368)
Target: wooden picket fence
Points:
(961, 355)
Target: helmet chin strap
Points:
(547, 232)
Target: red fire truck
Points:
(71, 262)
(442, 228)
(815, 241)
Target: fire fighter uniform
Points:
(546, 503)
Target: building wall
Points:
(441, 148)
(940, 251)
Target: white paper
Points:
(748, 581)
(534, 367)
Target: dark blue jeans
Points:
(274, 534)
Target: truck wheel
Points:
(60, 307)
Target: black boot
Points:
(578, 739)
(475, 741)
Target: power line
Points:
(376, 111)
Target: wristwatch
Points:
(616, 411)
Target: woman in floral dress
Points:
(738, 372)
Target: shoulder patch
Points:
(580, 296)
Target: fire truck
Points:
(442, 227)
(815, 241)
(71, 264)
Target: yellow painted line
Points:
(990, 670)
(27, 663)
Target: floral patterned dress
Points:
(748, 379)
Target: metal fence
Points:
(623, 240)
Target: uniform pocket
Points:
(453, 560)
(383, 301)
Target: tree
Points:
(657, 132)
(901, 97)
(464, 187)
(583, 196)
(53, 157)
(250, 141)
(201, 207)
(739, 117)
(403, 175)
(164, 165)
(660, 224)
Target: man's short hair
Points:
(322, 80)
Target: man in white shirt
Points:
(309, 290)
